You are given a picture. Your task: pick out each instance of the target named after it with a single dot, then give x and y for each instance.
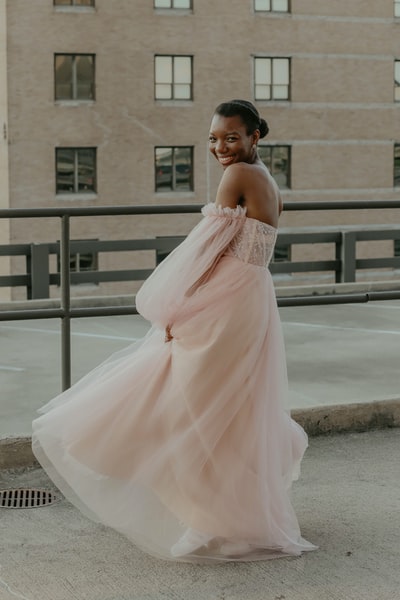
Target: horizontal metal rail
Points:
(130, 309)
(74, 211)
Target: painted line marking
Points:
(7, 368)
(73, 333)
(341, 328)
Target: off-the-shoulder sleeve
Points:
(162, 296)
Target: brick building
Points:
(109, 102)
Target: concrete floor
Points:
(347, 502)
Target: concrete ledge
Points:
(16, 451)
(344, 418)
(337, 288)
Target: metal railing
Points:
(344, 264)
(65, 312)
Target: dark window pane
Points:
(63, 77)
(65, 170)
(164, 168)
(277, 160)
(84, 77)
(86, 170)
(265, 155)
(396, 182)
(280, 166)
(183, 168)
(86, 262)
(282, 253)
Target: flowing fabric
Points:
(190, 430)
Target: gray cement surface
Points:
(347, 501)
(337, 354)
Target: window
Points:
(174, 168)
(397, 8)
(73, 2)
(173, 77)
(277, 160)
(282, 253)
(271, 5)
(271, 78)
(396, 247)
(396, 166)
(82, 261)
(74, 76)
(75, 170)
(172, 3)
(397, 80)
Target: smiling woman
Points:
(235, 130)
(183, 441)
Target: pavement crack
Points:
(6, 587)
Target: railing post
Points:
(348, 257)
(39, 271)
(65, 303)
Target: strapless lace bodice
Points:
(254, 243)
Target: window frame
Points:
(72, 4)
(396, 155)
(288, 172)
(172, 7)
(172, 84)
(272, 10)
(272, 84)
(76, 191)
(396, 82)
(74, 83)
(75, 256)
(174, 188)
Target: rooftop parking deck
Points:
(347, 502)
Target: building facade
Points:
(108, 102)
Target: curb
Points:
(349, 418)
(16, 451)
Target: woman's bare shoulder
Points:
(232, 185)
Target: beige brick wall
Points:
(341, 121)
(4, 191)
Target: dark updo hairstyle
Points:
(247, 112)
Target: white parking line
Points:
(341, 328)
(7, 368)
(73, 333)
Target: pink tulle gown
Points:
(182, 442)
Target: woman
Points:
(182, 441)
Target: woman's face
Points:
(228, 140)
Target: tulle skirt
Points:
(191, 433)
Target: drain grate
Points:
(26, 498)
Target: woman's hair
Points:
(247, 112)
